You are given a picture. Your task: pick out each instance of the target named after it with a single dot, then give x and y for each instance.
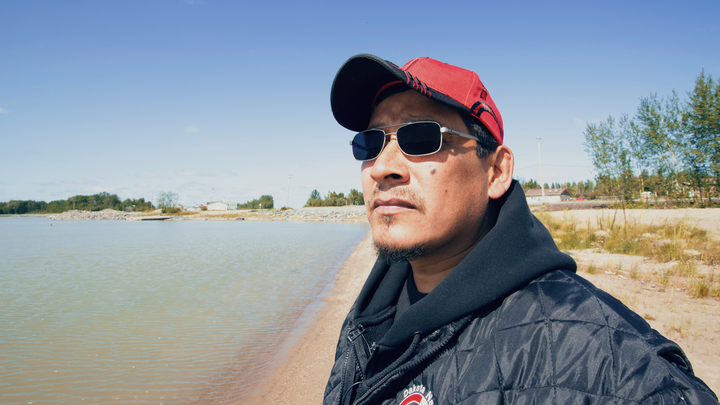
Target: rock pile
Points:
(325, 214)
(107, 214)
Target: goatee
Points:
(394, 254)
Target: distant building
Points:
(534, 196)
(217, 206)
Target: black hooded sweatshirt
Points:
(511, 323)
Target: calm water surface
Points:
(153, 312)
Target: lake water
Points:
(154, 312)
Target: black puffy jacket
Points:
(511, 323)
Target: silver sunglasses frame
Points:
(443, 130)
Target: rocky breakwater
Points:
(106, 214)
(353, 213)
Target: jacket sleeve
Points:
(561, 340)
(676, 395)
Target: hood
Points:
(517, 250)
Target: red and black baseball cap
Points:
(363, 77)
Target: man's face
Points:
(436, 201)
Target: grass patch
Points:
(566, 232)
(634, 272)
(671, 241)
(699, 288)
(175, 212)
(228, 215)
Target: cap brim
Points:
(355, 87)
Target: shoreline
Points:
(298, 371)
(304, 364)
(350, 214)
(693, 323)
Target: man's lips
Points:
(392, 206)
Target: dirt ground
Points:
(694, 323)
(706, 218)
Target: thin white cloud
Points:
(142, 185)
(146, 175)
(3, 111)
(191, 128)
(186, 173)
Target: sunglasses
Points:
(419, 138)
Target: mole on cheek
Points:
(432, 171)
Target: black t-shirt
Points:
(408, 296)
(413, 294)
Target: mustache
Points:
(406, 193)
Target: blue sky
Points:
(226, 100)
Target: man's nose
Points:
(391, 164)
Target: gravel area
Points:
(107, 214)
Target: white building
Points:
(217, 206)
(535, 196)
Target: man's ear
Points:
(502, 162)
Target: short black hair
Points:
(486, 143)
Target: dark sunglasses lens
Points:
(368, 144)
(420, 138)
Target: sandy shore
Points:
(301, 377)
(692, 323)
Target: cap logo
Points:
(483, 94)
(417, 85)
(477, 108)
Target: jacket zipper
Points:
(401, 369)
(342, 377)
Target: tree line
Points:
(669, 149)
(264, 202)
(333, 199)
(587, 188)
(95, 202)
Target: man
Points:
(470, 301)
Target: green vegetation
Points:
(167, 200)
(672, 241)
(670, 149)
(264, 202)
(333, 199)
(587, 188)
(95, 202)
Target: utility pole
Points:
(542, 184)
(288, 193)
